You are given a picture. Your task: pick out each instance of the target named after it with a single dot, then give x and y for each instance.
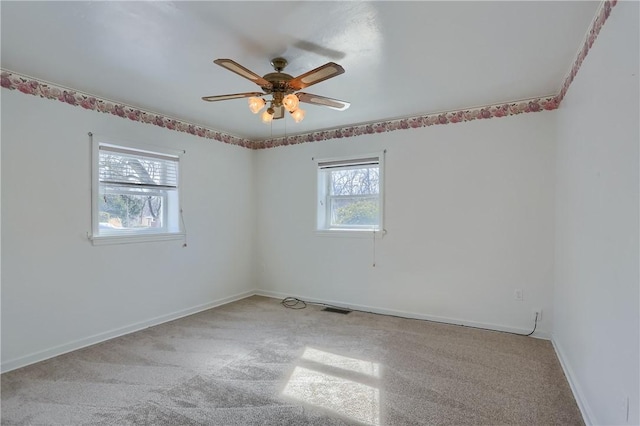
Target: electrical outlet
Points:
(537, 312)
(517, 294)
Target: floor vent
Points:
(337, 310)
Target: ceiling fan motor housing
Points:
(279, 81)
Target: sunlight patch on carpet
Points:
(352, 364)
(342, 395)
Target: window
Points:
(350, 194)
(136, 194)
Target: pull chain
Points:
(374, 249)
(184, 228)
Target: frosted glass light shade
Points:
(256, 104)
(298, 115)
(290, 102)
(267, 116)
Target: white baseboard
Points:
(585, 410)
(412, 315)
(101, 337)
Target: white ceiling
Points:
(401, 58)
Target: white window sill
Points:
(128, 239)
(351, 233)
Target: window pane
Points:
(350, 194)
(355, 181)
(136, 194)
(127, 212)
(355, 212)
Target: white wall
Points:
(58, 290)
(596, 295)
(473, 211)
(469, 214)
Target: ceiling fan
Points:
(283, 89)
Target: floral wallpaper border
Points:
(601, 17)
(489, 111)
(14, 81)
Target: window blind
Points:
(332, 164)
(124, 167)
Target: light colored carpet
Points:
(254, 362)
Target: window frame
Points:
(143, 235)
(322, 196)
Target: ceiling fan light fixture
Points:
(298, 115)
(284, 90)
(290, 102)
(267, 116)
(256, 104)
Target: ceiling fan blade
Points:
(242, 72)
(328, 70)
(321, 100)
(278, 112)
(233, 96)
